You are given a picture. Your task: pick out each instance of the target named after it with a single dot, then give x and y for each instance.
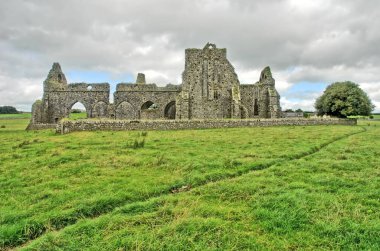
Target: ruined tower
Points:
(140, 80)
(210, 87)
(261, 100)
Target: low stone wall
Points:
(67, 126)
(32, 126)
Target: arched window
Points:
(216, 94)
(255, 108)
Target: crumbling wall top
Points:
(55, 80)
(122, 87)
(140, 79)
(266, 74)
(103, 87)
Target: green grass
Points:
(26, 115)
(308, 187)
(374, 116)
(81, 115)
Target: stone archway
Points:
(149, 110)
(99, 110)
(170, 110)
(126, 110)
(77, 110)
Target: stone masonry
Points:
(210, 89)
(67, 126)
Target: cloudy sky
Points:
(307, 43)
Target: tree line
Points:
(8, 110)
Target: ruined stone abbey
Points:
(210, 89)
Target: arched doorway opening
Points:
(148, 105)
(149, 110)
(78, 111)
(170, 110)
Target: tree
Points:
(8, 110)
(342, 99)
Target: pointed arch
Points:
(77, 110)
(126, 110)
(149, 110)
(170, 110)
(255, 107)
(99, 110)
(148, 105)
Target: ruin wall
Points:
(67, 126)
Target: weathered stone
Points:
(140, 80)
(67, 126)
(210, 90)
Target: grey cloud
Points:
(324, 40)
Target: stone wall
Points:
(145, 101)
(67, 126)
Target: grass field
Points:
(314, 187)
(15, 116)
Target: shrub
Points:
(144, 134)
(2, 126)
(136, 144)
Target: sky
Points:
(308, 44)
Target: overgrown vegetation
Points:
(312, 187)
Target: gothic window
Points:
(216, 94)
(255, 108)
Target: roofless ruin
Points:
(210, 89)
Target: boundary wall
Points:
(67, 126)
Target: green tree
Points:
(342, 99)
(8, 110)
